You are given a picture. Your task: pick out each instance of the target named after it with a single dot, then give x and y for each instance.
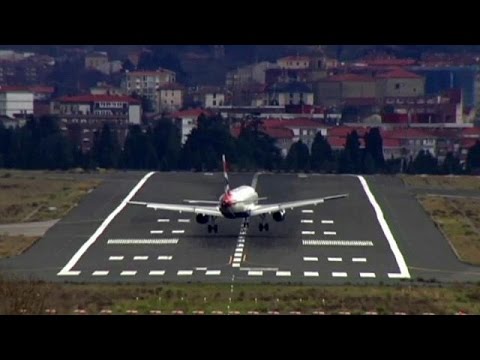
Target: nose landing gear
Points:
(263, 225)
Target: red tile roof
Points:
(191, 113)
(298, 122)
(96, 98)
(390, 62)
(34, 89)
(279, 133)
(471, 132)
(343, 131)
(408, 134)
(399, 73)
(350, 78)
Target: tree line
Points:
(41, 144)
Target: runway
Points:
(353, 240)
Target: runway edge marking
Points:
(67, 269)
(404, 273)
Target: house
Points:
(84, 115)
(399, 83)
(337, 89)
(96, 60)
(282, 94)
(186, 121)
(171, 97)
(294, 62)
(16, 101)
(147, 83)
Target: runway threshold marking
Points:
(306, 221)
(367, 275)
(329, 233)
(339, 274)
(240, 246)
(404, 273)
(308, 232)
(156, 272)
(335, 259)
(310, 273)
(128, 273)
(67, 269)
(140, 258)
(163, 220)
(164, 257)
(100, 273)
(142, 241)
(156, 232)
(316, 242)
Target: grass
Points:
(12, 245)
(65, 298)
(463, 182)
(459, 220)
(38, 195)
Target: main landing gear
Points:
(263, 225)
(212, 227)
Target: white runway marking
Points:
(327, 221)
(156, 272)
(404, 273)
(283, 273)
(156, 232)
(213, 272)
(367, 275)
(178, 231)
(184, 272)
(142, 258)
(115, 258)
(237, 257)
(100, 273)
(236, 265)
(142, 241)
(307, 211)
(128, 273)
(329, 233)
(339, 274)
(335, 259)
(396, 276)
(359, 259)
(308, 232)
(310, 258)
(163, 220)
(310, 273)
(306, 221)
(239, 246)
(165, 257)
(201, 269)
(337, 243)
(68, 267)
(71, 273)
(255, 273)
(183, 220)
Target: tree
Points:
(451, 164)
(425, 163)
(298, 157)
(374, 147)
(166, 140)
(321, 156)
(473, 157)
(106, 149)
(352, 148)
(138, 151)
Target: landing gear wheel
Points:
(266, 227)
(260, 227)
(215, 228)
(209, 228)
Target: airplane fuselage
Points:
(238, 202)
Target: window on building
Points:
(397, 86)
(214, 103)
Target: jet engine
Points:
(202, 219)
(279, 215)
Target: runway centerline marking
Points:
(327, 222)
(163, 220)
(308, 232)
(310, 258)
(178, 231)
(335, 259)
(156, 232)
(184, 272)
(310, 273)
(213, 272)
(116, 258)
(68, 267)
(240, 246)
(164, 257)
(283, 273)
(307, 211)
(255, 273)
(183, 220)
(306, 221)
(359, 259)
(404, 273)
(329, 233)
(339, 274)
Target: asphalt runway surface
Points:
(378, 234)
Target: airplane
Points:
(240, 202)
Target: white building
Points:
(214, 99)
(15, 101)
(186, 121)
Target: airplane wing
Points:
(201, 201)
(205, 210)
(271, 208)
